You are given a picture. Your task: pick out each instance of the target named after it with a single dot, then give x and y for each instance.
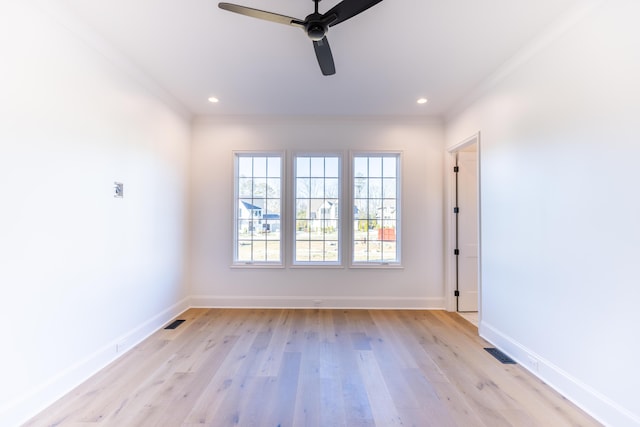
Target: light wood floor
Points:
(472, 317)
(313, 368)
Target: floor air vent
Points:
(175, 324)
(500, 356)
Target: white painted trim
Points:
(449, 233)
(399, 156)
(315, 119)
(292, 179)
(284, 219)
(213, 301)
(582, 395)
(21, 408)
(449, 241)
(473, 139)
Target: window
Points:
(376, 213)
(308, 228)
(317, 209)
(258, 201)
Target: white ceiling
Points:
(386, 57)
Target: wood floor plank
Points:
(307, 408)
(285, 367)
(273, 357)
(382, 405)
(228, 382)
(356, 403)
(478, 390)
(180, 399)
(199, 355)
(332, 412)
(429, 404)
(282, 402)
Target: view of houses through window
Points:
(375, 211)
(258, 210)
(316, 209)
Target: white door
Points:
(468, 230)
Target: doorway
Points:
(465, 228)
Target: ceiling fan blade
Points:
(348, 9)
(261, 14)
(325, 58)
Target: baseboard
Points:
(589, 400)
(318, 302)
(26, 406)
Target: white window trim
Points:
(292, 180)
(396, 264)
(287, 211)
(235, 263)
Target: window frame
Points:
(346, 219)
(236, 262)
(397, 262)
(339, 262)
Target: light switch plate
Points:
(118, 190)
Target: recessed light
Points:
(422, 101)
(213, 99)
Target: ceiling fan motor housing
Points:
(315, 27)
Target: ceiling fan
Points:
(315, 25)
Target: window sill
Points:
(380, 265)
(320, 266)
(251, 265)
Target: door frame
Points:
(450, 223)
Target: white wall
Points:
(418, 284)
(560, 211)
(80, 270)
